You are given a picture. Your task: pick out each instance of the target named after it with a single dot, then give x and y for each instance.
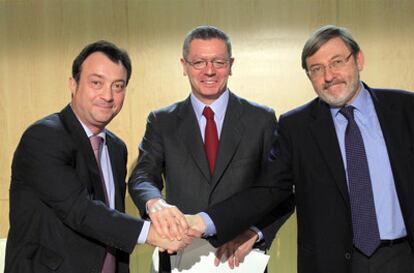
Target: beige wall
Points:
(40, 38)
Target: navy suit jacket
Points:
(306, 162)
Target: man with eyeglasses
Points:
(204, 149)
(348, 156)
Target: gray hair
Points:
(205, 33)
(322, 36)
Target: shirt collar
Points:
(89, 133)
(219, 106)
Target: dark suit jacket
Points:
(173, 147)
(306, 156)
(58, 219)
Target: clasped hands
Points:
(172, 231)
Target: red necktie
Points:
(210, 138)
(109, 265)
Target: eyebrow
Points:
(334, 57)
(104, 78)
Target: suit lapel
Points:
(75, 129)
(324, 133)
(189, 132)
(231, 134)
(117, 161)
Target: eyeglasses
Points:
(334, 65)
(201, 64)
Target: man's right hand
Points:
(171, 246)
(167, 220)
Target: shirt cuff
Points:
(210, 227)
(259, 233)
(142, 238)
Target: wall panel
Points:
(40, 38)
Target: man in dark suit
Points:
(348, 157)
(66, 195)
(177, 141)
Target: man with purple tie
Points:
(68, 179)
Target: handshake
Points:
(170, 229)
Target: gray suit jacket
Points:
(172, 148)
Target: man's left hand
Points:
(235, 250)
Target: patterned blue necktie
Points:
(364, 219)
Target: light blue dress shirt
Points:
(219, 108)
(388, 211)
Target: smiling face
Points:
(336, 87)
(99, 95)
(208, 83)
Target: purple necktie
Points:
(109, 265)
(210, 138)
(364, 219)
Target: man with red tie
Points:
(204, 149)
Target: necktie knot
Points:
(208, 113)
(348, 112)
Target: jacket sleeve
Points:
(270, 224)
(268, 202)
(146, 181)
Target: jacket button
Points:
(348, 255)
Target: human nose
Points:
(209, 69)
(107, 93)
(327, 73)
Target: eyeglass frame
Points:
(214, 62)
(333, 65)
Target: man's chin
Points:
(333, 101)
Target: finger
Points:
(176, 222)
(236, 261)
(180, 219)
(166, 229)
(240, 256)
(155, 220)
(187, 240)
(176, 228)
(230, 259)
(219, 253)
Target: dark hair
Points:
(323, 35)
(114, 53)
(205, 33)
